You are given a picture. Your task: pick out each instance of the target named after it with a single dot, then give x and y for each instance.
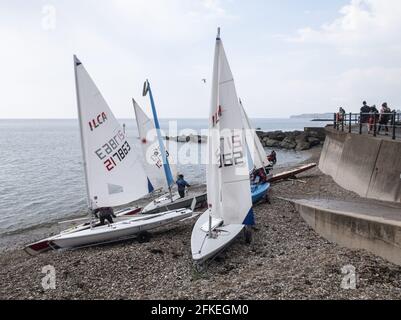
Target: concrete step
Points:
(371, 225)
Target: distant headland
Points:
(328, 115)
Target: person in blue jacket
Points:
(181, 183)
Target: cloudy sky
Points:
(288, 56)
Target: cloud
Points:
(362, 25)
(120, 42)
(355, 57)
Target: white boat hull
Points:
(160, 202)
(117, 231)
(164, 203)
(43, 245)
(203, 247)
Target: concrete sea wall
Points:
(371, 167)
(378, 235)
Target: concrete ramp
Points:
(369, 225)
(368, 166)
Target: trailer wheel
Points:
(144, 237)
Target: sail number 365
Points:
(233, 157)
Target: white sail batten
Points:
(228, 184)
(114, 174)
(150, 147)
(257, 152)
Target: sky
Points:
(288, 57)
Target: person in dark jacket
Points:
(105, 213)
(181, 184)
(272, 157)
(365, 113)
(258, 176)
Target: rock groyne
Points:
(291, 140)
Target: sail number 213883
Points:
(114, 151)
(118, 156)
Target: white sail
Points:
(114, 174)
(228, 185)
(255, 148)
(151, 150)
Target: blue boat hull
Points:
(259, 192)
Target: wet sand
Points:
(287, 260)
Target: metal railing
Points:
(373, 122)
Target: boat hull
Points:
(165, 204)
(203, 247)
(259, 192)
(44, 245)
(291, 173)
(119, 230)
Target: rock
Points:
(156, 251)
(313, 141)
(301, 137)
(319, 133)
(270, 143)
(202, 139)
(288, 143)
(294, 134)
(183, 139)
(277, 135)
(303, 145)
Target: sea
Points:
(41, 172)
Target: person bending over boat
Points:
(258, 176)
(104, 214)
(272, 157)
(181, 184)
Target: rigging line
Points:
(227, 81)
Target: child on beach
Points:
(181, 184)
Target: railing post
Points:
(360, 123)
(374, 125)
(342, 122)
(350, 122)
(335, 121)
(393, 123)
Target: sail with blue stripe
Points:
(166, 164)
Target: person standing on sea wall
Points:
(340, 117)
(372, 118)
(384, 118)
(365, 113)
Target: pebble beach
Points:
(287, 260)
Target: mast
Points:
(166, 165)
(216, 80)
(76, 64)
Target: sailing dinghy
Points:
(158, 167)
(228, 191)
(114, 174)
